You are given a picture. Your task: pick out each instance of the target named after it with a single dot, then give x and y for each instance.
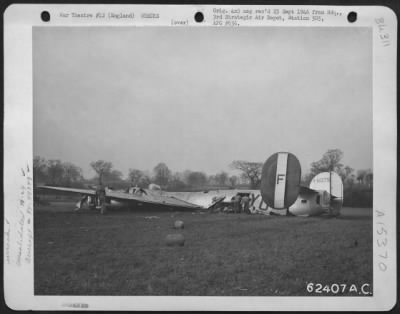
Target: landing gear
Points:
(103, 209)
(101, 200)
(79, 205)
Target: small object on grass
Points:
(179, 224)
(151, 217)
(176, 239)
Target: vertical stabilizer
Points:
(331, 183)
(280, 180)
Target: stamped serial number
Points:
(336, 288)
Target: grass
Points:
(123, 253)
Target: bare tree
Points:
(233, 180)
(55, 171)
(162, 174)
(365, 177)
(185, 176)
(197, 178)
(345, 173)
(350, 180)
(212, 180)
(72, 174)
(330, 161)
(221, 178)
(40, 170)
(361, 176)
(176, 182)
(369, 178)
(113, 175)
(244, 179)
(250, 170)
(101, 167)
(134, 176)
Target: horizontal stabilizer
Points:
(306, 190)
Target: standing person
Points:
(246, 204)
(236, 204)
(101, 199)
(252, 199)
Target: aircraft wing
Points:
(70, 190)
(150, 199)
(166, 200)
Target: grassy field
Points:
(124, 253)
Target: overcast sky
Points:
(199, 98)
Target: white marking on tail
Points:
(280, 180)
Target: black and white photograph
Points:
(203, 161)
(175, 125)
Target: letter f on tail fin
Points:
(280, 182)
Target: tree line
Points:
(56, 172)
(59, 173)
(187, 179)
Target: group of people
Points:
(98, 200)
(241, 204)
